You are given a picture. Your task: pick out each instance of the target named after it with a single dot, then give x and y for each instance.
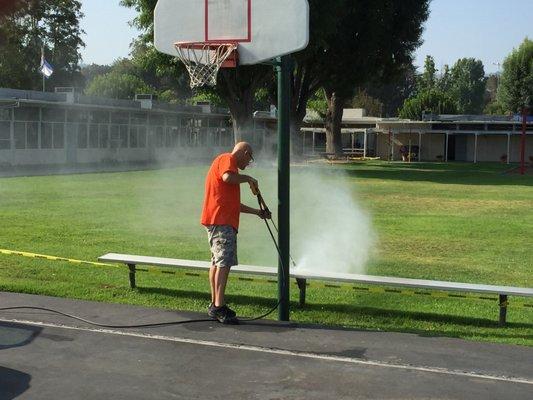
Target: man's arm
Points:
(237, 179)
(249, 210)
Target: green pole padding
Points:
(284, 98)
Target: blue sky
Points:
(484, 29)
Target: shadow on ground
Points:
(464, 174)
(461, 322)
(16, 335)
(13, 383)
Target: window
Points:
(115, 136)
(100, 117)
(53, 114)
(123, 135)
(120, 117)
(5, 114)
(32, 135)
(80, 116)
(46, 135)
(104, 136)
(20, 135)
(82, 136)
(93, 136)
(26, 114)
(119, 136)
(138, 118)
(157, 119)
(133, 136)
(169, 137)
(159, 136)
(202, 136)
(5, 135)
(59, 136)
(142, 136)
(172, 120)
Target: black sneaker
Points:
(226, 315)
(211, 311)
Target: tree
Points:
(494, 108)
(392, 94)
(371, 104)
(375, 41)
(445, 81)
(318, 103)
(516, 84)
(428, 79)
(467, 86)
(235, 86)
(432, 101)
(28, 26)
(117, 85)
(491, 88)
(91, 71)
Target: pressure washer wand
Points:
(263, 207)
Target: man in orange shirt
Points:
(220, 216)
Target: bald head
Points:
(241, 147)
(243, 153)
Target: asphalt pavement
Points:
(48, 356)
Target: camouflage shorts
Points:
(223, 243)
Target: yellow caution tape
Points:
(372, 289)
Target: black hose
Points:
(104, 325)
(262, 206)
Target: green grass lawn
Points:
(457, 222)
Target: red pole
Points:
(523, 143)
(390, 144)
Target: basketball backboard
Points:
(261, 29)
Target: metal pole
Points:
(475, 148)
(523, 143)
(283, 71)
(365, 137)
(508, 147)
(42, 61)
(419, 145)
(446, 148)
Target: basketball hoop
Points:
(204, 59)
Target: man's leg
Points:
(212, 273)
(221, 278)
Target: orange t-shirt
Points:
(222, 201)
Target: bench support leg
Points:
(503, 309)
(132, 275)
(302, 286)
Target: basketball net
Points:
(203, 60)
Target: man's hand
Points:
(264, 214)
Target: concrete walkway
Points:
(47, 356)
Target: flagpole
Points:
(42, 61)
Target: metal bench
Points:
(301, 277)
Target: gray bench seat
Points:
(301, 276)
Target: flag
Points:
(46, 69)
